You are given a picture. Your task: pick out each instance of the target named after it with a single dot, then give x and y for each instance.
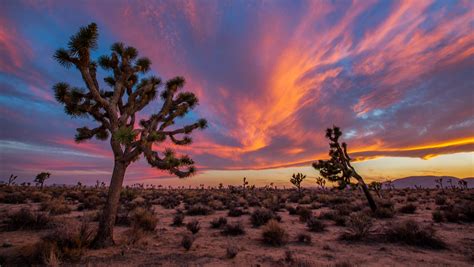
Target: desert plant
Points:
(218, 222)
(198, 209)
(297, 179)
(321, 182)
(11, 179)
(28, 220)
(437, 216)
(409, 208)
(236, 228)
(315, 225)
(261, 216)
(193, 226)
(338, 168)
(178, 219)
(273, 234)
(304, 213)
(359, 226)
(55, 207)
(235, 212)
(144, 219)
(232, 251)
(304, 238)
(411, 233)
(187, 241)
(41, 178)
(116, 110)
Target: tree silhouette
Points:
(338, 168)
(297, 179)
(11, 179)
(41, 177)
(115, 110)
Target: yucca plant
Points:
(114, 107)
(297, 179)
(41, 178)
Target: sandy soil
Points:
(163, 247)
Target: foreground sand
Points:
(163, 246)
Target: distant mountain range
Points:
(429, 181)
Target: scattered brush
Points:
(198, 209)
(55, 207)
(232, 251)
(25, 219)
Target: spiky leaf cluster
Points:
(297, 179)
(115, 106)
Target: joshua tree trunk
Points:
(364, 187)
(104, 237)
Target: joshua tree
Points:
(462, 184)
(114, 107)
(439, 183)
(338, 168)
(376, 186)
(245, 183)
(12, 179)
(297, 179)
(321, 182)
(41, 177)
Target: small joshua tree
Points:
(439, 183)
(321, 182)
(338, 168)
(12, 179)
(297, 179)
(462, 184)
(41, 177)
(245, 183)
(115, 106)
(376, 186)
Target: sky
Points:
(271, 76)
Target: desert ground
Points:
(238, 226)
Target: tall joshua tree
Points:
(115, 106)
(338, 168)
(41, 177)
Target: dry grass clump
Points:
(235, 212)
(359, 227)
(178, 219)
(261, 216)
(144, 219)
(232, 251)
(304, 238)
(409, 208)
(411, 233)
(273, 234)
(193, 226)
(187, 241)
(25, 219)
(55, 207)
(218, 222)
(315, 225)
(233, 229)
(198, 209)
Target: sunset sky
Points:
(396, 76)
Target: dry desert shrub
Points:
(25, 219)
(273, 234)
(233, 229)
(178, 218)
(144, 219)
(412, 233)
(193, 226)
(304, 238)
(55, 207)
(261, 216)
(409, 208)
(232, 251)
(359, 227)
(187, 241)
(315, 225)
(218, 222)
(198, 209)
